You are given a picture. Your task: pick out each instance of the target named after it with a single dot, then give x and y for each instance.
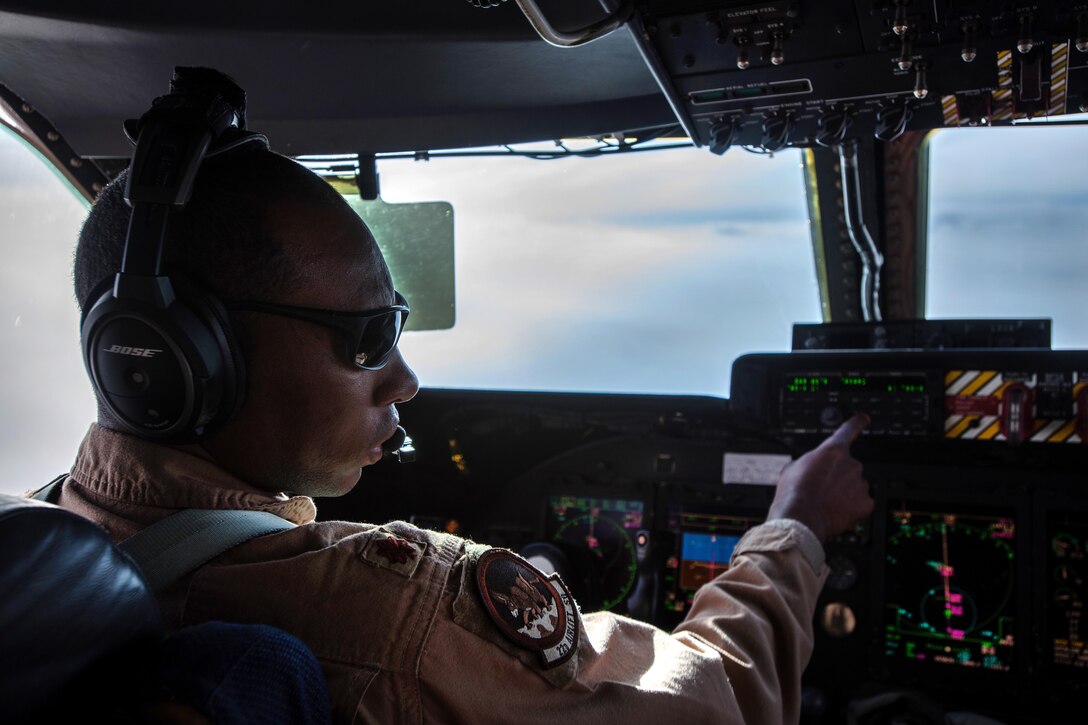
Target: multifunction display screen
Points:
(705, 540)
(949, 588)
(1067, 593)
(606, 528)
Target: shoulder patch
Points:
(393, 552)
(533, 611)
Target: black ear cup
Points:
(210, 308)
(169, 373)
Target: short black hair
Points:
(224, 240)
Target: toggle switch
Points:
(1025, 44)
(900, 26)
(969, 51)
(743, 43)
(905, 61)
(921, 85)
(778, 53)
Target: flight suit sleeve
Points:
(737, 658)
(758, 615)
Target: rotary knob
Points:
(831, 417)
(843, 574)
(838, 620)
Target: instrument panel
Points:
(966, 589)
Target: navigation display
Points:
(948, 593)
(606, 528)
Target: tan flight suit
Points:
(395, 615)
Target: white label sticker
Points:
(759, 468)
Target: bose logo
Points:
(135, 351)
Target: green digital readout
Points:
(876, 384)
(804, 384)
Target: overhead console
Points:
(790, 72)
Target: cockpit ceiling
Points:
(433, 74)
(392, 76)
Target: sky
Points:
(640, 273)
(1009, 227)
(45, 397)
(646, 272)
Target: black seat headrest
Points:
(70, 598)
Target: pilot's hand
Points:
(824, 489)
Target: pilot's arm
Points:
(759, 613)
(737, 658)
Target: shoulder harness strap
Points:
(183, 542)
(50, 492)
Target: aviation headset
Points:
(159, 350)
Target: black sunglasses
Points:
(371, 335)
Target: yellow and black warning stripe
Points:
(1059, 76)
(973, 402)
(951, 111)
(978, 394)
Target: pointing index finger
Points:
(849, 431)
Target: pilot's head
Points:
(260, 227)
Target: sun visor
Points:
(417, 242)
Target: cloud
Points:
(607, 307)
(1007, 227)
(989, 164)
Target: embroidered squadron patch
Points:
(393, 552)
(531, 610)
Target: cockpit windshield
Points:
(645, 273)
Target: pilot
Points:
(412, 625)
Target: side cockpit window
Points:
(1007, 223)
(45, 397)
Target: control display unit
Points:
(1003, 397)
(898, 403)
